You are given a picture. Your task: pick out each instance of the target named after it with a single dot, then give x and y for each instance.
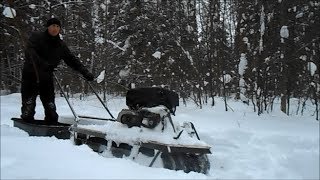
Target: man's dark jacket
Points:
(47, 51)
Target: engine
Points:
(139, 118)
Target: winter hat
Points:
(53, 21)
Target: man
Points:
(43, 53)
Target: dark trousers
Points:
(30, 89)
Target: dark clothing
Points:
(30, 89)
(53, 21)
(46, 52)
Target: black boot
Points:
(51, 116)
(28, 110)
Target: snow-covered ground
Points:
(244, 145)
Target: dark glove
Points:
(88, 76)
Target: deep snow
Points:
(244, 145)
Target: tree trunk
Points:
(284, 104)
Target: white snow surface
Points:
(284, 32)
(100, 78)
(312, 68)
(243, 144)
(242, 64)
(9, 12)
(157, 55)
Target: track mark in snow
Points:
(7, 161)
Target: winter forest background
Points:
(255, 51)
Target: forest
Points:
(253, 51)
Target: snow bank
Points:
(244, 145)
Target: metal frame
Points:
(77, 117)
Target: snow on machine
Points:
(144, 133)
(147, 129)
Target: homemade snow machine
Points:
(144, 133)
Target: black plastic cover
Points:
(150, 97)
